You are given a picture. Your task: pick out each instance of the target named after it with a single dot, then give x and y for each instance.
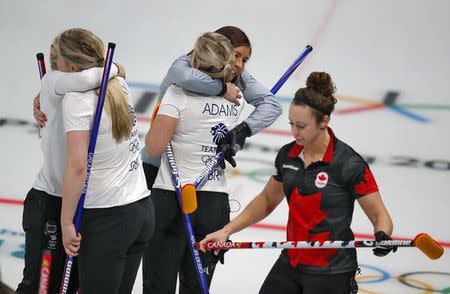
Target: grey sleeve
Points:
(267, 108)
(182, 74)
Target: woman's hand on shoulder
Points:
(39, 116)
(232, 94)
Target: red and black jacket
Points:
(321, 201)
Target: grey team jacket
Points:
(267, 108)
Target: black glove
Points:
(383, 250)
(233, 141)
(227, 150)
(210, 260)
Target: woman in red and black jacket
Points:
(321, 177)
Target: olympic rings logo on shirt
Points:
(134, 146)
(419, 280)
(133, 165)
(206, 159)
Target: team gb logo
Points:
(321, 179)
(218, 131)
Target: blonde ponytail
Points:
(118, 109)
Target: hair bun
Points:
(321, 82)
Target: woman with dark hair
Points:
(267, 108)
(321, 177)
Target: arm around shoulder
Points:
(184, 75)
(267, 107)
(83, 80)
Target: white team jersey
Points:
(53, 141)
(117, 177)
(202, 122)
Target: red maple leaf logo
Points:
(322, 177)
(305, 214)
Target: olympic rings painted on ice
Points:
(405, 279)
(235, 205)
(378, 278)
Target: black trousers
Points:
(150, 172)
(282, 278)
(168, 253)
(112, 243)
(41, 223)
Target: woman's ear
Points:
(73, 67)
(194, 63)
(324, 122)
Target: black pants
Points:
(151, 172)
(169, 253)
(41, 223)
(282, 278)
(112, 243)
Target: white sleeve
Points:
(169, 110)
(173, 102)
(85, 80)
(77, 112)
